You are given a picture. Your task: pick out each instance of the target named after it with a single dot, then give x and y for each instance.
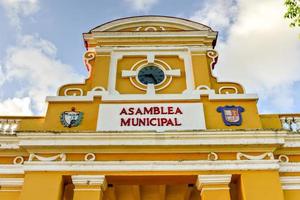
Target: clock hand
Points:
(152, 77)
(155, 81)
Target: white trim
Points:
(232, 96)
(149, 97)
(11, 169)
(88, 179)
(228, 87)
(239, 156)
(154, 166)
(69, 98)
(73, 89)
(290, 182)
(11, 182)
(119, 53)
(151, 138)
(191, 95)
(188, 34)
(173, 72)
(219, 179)
(127, 22)
(290, 167)
(292, 141)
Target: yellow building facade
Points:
(151, 121)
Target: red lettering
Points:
(163, 112)
(123, 111)
(148, 111)
(177, 123)
(156, 110)
(164, 121)
(142, 121)
(170, 110)
(130, 111)
(138, 112)
(135, 121)
(170, 122)
(178, 111)
(151, 122)
(125, 122)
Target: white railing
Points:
(290, 123)
(8, 126)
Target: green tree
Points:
(293, 12)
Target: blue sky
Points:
(42, 39)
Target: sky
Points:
(41, 46)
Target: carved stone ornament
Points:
(231, 115)
(60, 157)
(239, 156)
(71, 118)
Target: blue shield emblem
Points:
(231, 115)
(71, 118)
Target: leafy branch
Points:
(293, 12)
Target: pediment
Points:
(151, 24)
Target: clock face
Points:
(151, 75)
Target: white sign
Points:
(151, 117)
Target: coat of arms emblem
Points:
(71, 118)
(231, 115)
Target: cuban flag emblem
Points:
(231, 115)
(71, 118)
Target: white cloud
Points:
(218, 14)
(262, 52)
(33, 62)
(16, 106)
(141, 5)
(16, 9)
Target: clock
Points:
(151, 75)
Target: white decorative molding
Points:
(159, 20)
(188, 95)
(97, 91)
(292, 140)
(290, 182)
(19, 160)
(213, 54)
(228, 87)
(239, 156)
(202, 87)
(8, 126)
(11, 182)
(89, 157)
(87, 57)
(233, 97)
(174, 34)
(290, 167)
(60, 156)
(283, 158)
(210, 180)
(155, 166)
(9, 146)
(203, 90)
(70, 98)
(118, 53)
(73, 89)
(89, 180)
(290, 123)
(149, 28)
(39, 139)
(11, 169)
(212, 156)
